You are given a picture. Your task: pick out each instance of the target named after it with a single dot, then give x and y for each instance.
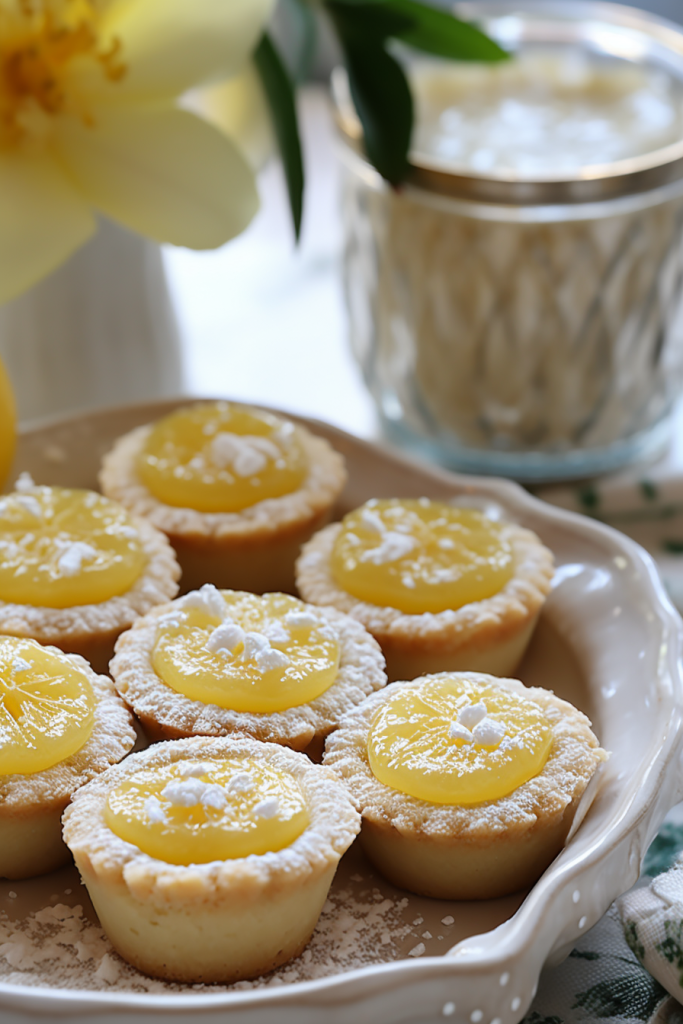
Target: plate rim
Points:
(451, 965)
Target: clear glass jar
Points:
(530, 329)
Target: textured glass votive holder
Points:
(538, 342)
(526, 329)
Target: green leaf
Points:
(279, 92)
(365, 18)
(303, 17)
(382, 98)
(442, 34)
(360, 3)
(378, 85)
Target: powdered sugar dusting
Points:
(393, 547)
(63, 946)
(24, 483)
(72, 558)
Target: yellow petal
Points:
(239, 108)
(162, 172)
(169, 46)
(43, 220)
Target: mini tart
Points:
(167, 714)
(475, 851)
(224, 920)
(488, 635)
(253, 549)
(90, 630)
(31, 805)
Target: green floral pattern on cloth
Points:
(602, 979)
(630, 966)
(609, 975)
(652, 915)
(670, 948)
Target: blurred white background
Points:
(262, 319)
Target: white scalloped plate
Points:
(609, 640)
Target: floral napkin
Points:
(627, 969)
(652, 918)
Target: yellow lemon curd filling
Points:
(244, 652)
(61, 547)
(216, 457)
(456, 741)
(47, 707)
(420, 556)
(194, 812)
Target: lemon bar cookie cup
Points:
(231, 520)
(473, 849)
(81, 713)
(480, 633)
(216, 919)
(76, 569)
(220, 662)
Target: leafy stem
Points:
(366, 31)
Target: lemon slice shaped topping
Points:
(60, 548)
(244, 652)
(453, 740)
(47, 707)
(193, 812)
(216, 457)
(420, 556)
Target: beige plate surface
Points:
(608, 641)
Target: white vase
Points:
(98, 331)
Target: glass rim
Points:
(608, 29)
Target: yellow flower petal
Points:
(169, 46)
(43, 221)
(239, 108)
(162, 172)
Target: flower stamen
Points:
(37, 43)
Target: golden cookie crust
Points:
(166, 714)
(488, 635)
(250, 550)
(90, 630)
(33, 804)
(222, 920)
(497, 829)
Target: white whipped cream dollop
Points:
(207, 599)
(226, 637)
(474, 726)
(190, 791)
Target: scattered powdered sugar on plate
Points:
(57, 941)
(59, 946)
(50, 937)
(62, 947)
